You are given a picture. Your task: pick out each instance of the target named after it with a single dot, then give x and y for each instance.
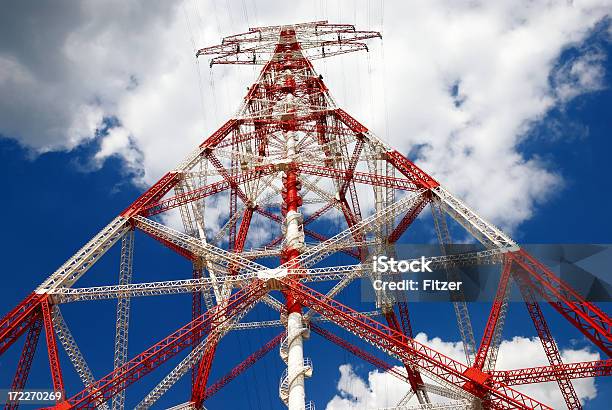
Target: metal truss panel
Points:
(123, 313)
(454, 405)
(585, 316)
(548, 342)
(150, 359)
(25, 361)
(195, 246)
(462, 314)
(486, 233)
(492, 322)
(77, 265)
(72, 350)
(551, 373)
(18, 320)
(54, 364)
(426, 359)
(319, 252)
(189, 362)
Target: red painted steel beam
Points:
(315, 215)
(354, 200)
(350, 169)
(498, 301)
(220, 134)
(359, 177)
(204, 367)
(25, 361)
(590, 320)
(292, 201)
(242, 366)
(244, 229)
(274, 242)
(205, 191)
(54, 364)
(404, 315)
(407, 220)
(414, 377)
(410, 170)
(199, 387)
(229, 178)
(147, 361)
(551, 373)
(186, 197)
(494, 394)
(405, 166)
(546, 338)
(153, 194)
(18, 320)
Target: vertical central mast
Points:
(287, 111)
(289, 60)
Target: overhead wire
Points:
(197, 65)
(383, 71)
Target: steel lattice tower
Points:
(288, 157)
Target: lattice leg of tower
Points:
(80, 262)
(493, 321)
(54, 364)
(461, 310)
(18, 320)
(589, 319)
(407, 397)
(196, 310)
(123, 313)
(25, 361)
(72, 350)
(203, 371)
(414, 378)
(548, 342)
(497, 333)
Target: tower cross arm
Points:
(316, 39)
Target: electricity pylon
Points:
(288, 159)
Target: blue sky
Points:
(55, 201)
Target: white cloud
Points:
(585, 73)
(380, 391)
(384, 390)
(64, 69)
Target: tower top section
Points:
(312, 41)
